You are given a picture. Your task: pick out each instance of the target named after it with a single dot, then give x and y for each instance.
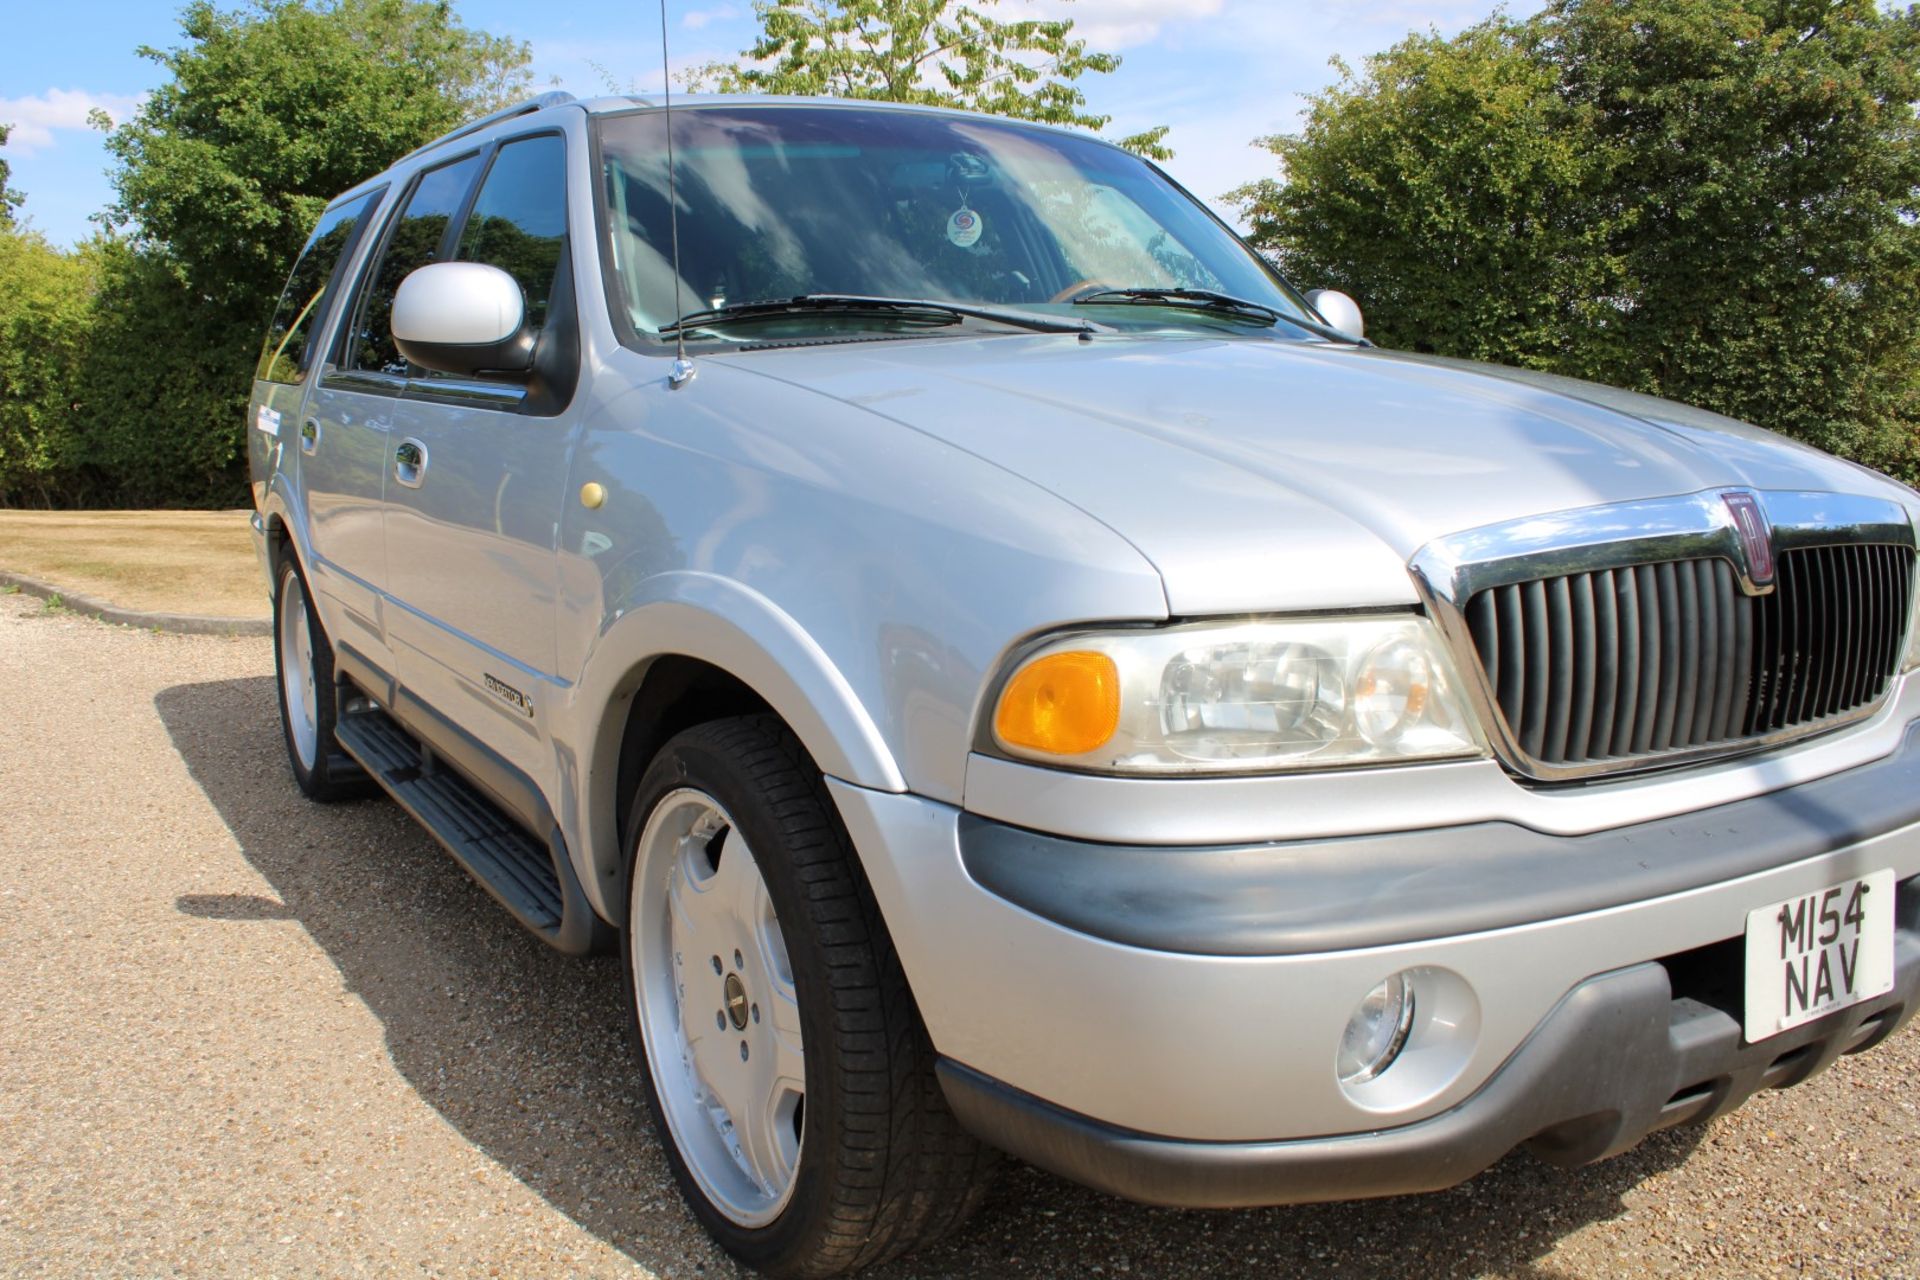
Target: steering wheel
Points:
(1080, 289)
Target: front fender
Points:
(732, 626)
(729, 625)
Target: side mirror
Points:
(1338, 310)
(463, 317)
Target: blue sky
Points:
(1220, 72)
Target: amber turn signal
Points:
(1065, 704)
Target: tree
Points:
(9, 198)
(1766, 154)
(273, 110)
(269, 113)
(1447, 187)
(1712, 200)
(936, 52)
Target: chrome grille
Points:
(1625, 665)
(1661, 631)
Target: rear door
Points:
(470, 529)
(287, 358)
(349, 418)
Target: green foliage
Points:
(934, 52)
(274, 110)
(1446, 188)
(46, 315)
(1712, 200)
(125, 366)
(9, 198)
(117, 387)
(1767, 156)
(165, 380)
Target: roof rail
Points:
(552, 98)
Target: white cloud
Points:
(698, 18)
(36, 119)
(1107, 25)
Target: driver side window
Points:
(417, 237)
(519, 219)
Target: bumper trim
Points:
(1317, 896)
(1619, 1058)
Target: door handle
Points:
(410, 462)
(309, 436)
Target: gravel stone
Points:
(243, 1035)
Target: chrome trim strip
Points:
(1448, 572)
(365, 381)
(469, 393)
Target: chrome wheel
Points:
(718, 1013)
(297, 683)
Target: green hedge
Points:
(1708, 200)
(47, 309)
(118, 388)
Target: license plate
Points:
(1819, 952)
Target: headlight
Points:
(1238, 698)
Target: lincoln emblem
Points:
(1756, 538)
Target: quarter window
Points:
(519, 219)
(284, 357)
(416, 239)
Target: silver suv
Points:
(1006, 672)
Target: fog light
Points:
(1377, 1031)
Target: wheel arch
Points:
(697, 648)
(281, 519)
(279, 540)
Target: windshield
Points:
(780, 201)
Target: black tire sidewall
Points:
(780, 1247)
(315, 782)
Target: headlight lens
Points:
(1240, 698)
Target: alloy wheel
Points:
(718, 1011)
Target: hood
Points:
(1260, 474)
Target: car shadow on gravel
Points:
(523, 1052)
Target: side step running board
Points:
(531, 880)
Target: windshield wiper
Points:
(861, 304)
(1217, 303)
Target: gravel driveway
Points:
(241, 1036)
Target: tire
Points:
(767, 991)
(303, 674)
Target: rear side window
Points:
(519, 219)
(285, 356)
(416, 239)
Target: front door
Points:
(476, 482)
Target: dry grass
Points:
(162, 561)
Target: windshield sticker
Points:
(964, 228)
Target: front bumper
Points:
(1620, 1057)
(1190, 1002)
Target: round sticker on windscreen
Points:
(964, 229)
